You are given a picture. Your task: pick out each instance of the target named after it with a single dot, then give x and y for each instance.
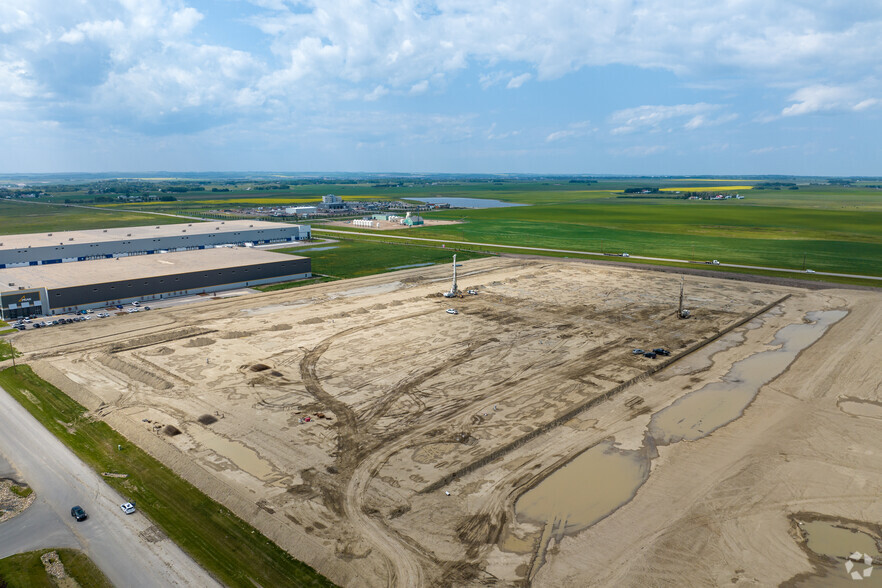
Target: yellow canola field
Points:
(706, 188)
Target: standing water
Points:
(701, 412)
(603, 478)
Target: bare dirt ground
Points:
(380, 225)
(426, 429)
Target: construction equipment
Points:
(682, 312)
(454, 289)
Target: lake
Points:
(468, 202)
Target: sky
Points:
(457, 86)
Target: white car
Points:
(128, 507)
(452, 311)
(809, 271)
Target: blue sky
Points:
(561, 86)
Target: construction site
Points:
(570, 424)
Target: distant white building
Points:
(301, 210)
(333, 202)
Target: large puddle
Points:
(861, 408)
(847, 554)
(585, 490)
(243, 457)
(703, 411)
(602, 479)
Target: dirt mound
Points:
(199, 342)
(161, 351)
(283, 327)
(235, 335)
(310, 321)
(134, 372)
(207, 419)
(171, 430)
(259, 367)
(148, 340)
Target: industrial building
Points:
(301, 210)
(70, 287)
(69, 246)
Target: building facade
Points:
(52, 289)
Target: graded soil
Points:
(388, 443)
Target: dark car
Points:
(78, 513)
(650, 354)
(661, 351)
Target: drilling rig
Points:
(682, 312)
(454, 289)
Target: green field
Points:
(25, 570)
(821, 226)
(353, 259)
(837, 230)
(17, 217)
(217, 539)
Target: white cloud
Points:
(518, 81)
(641, 150)
(825, 98)
(650, 117)
(376, 93)
(574, 130)
(419, 87)
(138, 61)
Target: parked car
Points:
(661, 351)
(452, 311)
(78, 513)
(650, 354)
(127, 507)
(637, 351)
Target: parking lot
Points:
(83, 315)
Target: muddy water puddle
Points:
(703, 411)
(588, 488)
(861, 408)
(848, 554)
(243, 457)
(603, 478)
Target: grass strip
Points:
(225, 545)
(296, 283)
(25, 570)
(6, 350)
(490, 249)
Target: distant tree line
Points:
(775, 186)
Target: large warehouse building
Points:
(63, 288)
(53, 248)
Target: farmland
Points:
(36, 217)
(804, 224)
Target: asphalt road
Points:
(127, 548)
(386, 235)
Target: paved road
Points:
(109, 537)
(574, 252)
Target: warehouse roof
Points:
(126, 233)
(82, 273)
